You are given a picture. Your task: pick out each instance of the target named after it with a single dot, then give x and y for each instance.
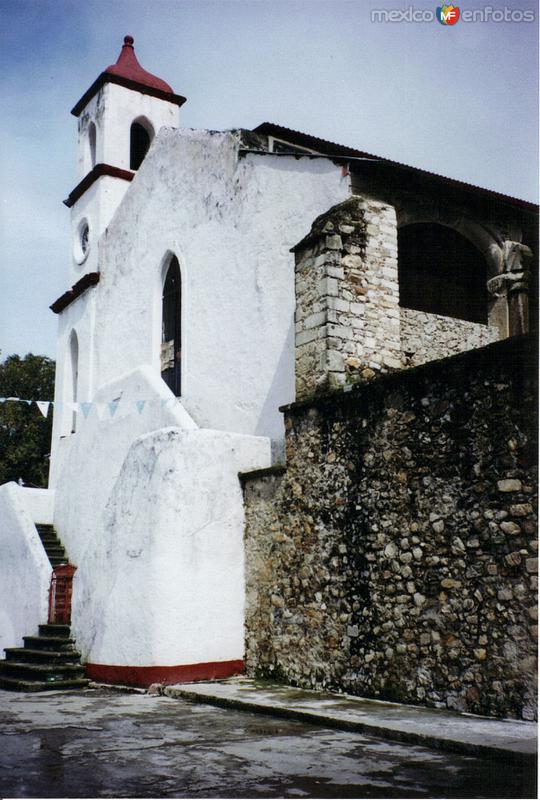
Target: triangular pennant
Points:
(86, 408)
(43, 406)
(140, 405)
(113, 407)
(100, 409)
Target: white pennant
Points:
(43, 406)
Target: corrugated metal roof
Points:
(332, 148)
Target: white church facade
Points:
(187, 327)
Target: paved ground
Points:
(103, 744)
(512, 740)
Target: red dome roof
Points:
(128, 67)
(128, 72)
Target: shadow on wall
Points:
(279, 394)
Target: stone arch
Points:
(441, 272)
(486, 239)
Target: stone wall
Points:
(347, 314)
(427, 337)
(396, 557)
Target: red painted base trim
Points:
(145, 676)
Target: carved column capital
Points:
(516, 256)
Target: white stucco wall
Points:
(149, 506)
(96, 206)
(163, 581)
(93, 456)
(112, 109)
(231, 224)
(25, 570)
(154, 522)
(39, 504)
(79, 317)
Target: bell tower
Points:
(118, 116)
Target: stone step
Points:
(55, 552)
(55, 630)
(54, 548)
(16, 685)
(48, 643)
(41, 656)
(43, 672)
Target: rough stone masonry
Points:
(349, 323)
(396, 556)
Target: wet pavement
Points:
(513, 740)
(99, 743)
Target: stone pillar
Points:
(511, 287)
(347, 297)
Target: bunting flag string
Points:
(103, 411)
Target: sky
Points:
(459, 100)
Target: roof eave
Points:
(109, 77)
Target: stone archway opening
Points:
(441, 272)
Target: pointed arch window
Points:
(171, 328)
(74, 376)
(140, 140)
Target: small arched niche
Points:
(171, 327)
(92, 145)
(441, 272)
(72, 381)
(141, 135)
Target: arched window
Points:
(441, 272)
(92, 144)
(140, 140)
(171, 328)
(74, 375)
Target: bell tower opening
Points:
(140, 138)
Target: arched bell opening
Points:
(141, 135)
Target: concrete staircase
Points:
(54, 548)
(48, 660)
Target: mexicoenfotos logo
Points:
(447, 15)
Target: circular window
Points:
(82, 242)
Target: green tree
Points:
(25, 436)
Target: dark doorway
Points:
(441, 272)
(171, 328)
(139, 144)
